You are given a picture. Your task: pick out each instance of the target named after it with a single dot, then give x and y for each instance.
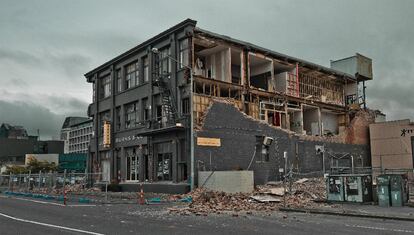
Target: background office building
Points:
(76, 133)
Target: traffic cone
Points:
(141, 196)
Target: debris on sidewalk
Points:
(305, 193)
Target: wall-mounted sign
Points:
(203, 141)
(127, 138)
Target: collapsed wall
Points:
(239, 135)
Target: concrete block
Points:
(227, 181)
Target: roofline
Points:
(277, 54)
(180, 25)
(80, 123)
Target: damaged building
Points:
(235, 94)
(245, 95)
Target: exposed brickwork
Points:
(238, 132)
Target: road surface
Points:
(26, 216)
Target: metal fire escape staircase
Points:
(163, 82)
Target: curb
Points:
(347, 213)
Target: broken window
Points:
(131, 115)
(213, 62)
(311, 123)
(261, 72)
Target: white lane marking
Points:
(379, 228)
(50, 203)
(50, 225)
(41, 202)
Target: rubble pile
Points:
(305, 193)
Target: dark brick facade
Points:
(238, 132)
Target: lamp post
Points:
(156, 51)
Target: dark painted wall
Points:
(15, 149)
(238, 132)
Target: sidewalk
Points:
(358, 210)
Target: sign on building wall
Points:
(107, 135)
(213, 142)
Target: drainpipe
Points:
(297, 79)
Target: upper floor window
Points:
(105, 87)
(132, 75)
(131, 115)
(118, 118)
(185, 105)
(118, 81)
(94, 91)
(146, 109)
(183, 53)
(146, 68)
(165, 61)
(104, 116)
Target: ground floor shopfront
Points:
(158, 159)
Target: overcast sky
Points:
(47, 46)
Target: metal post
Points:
(285, 155)
(40, 179)
(352, 164)
(10, 182)
(106, 191)
(64, 184)
(192, 129)
(323, 162)
(28, 181)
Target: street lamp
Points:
(156, 51)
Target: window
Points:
(132, 75)
(118, 81)
(146, 68)
(105, 86)
(146, 109)
(183, 53)
(118, 118)
(185, 105)
(165, 62)
(132, 164)
(104, 116)
(94, 91)
(131, 115)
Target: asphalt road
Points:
(19, 216)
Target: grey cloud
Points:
(32, 117)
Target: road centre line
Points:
(50, 225)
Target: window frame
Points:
(131, 75)
(134, 113)
(183, 53)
